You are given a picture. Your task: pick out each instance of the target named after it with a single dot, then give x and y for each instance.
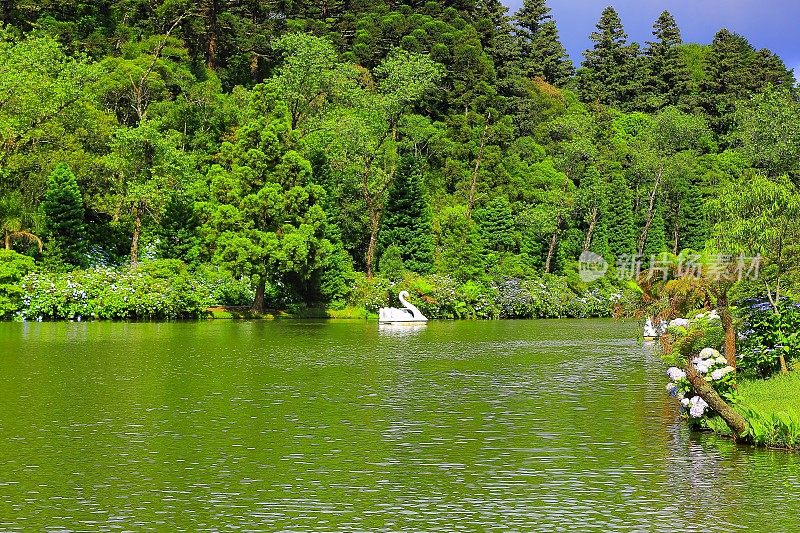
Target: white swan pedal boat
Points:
(409, 314)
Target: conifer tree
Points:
(496, 225)
(407, 222)
(609, 72)
(693, 225)
(541, 53)
(668, 75)
(656, 242)
(734, 72)
(497, 38)
(619, 220)
(177, 232)
(64, 218)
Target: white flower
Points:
(721, 372)
(709, 353)
(697, 406)
(685, 402)
(721, 360)
(702, 366)
(679, 322)
(675, 373)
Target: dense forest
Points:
(296, 152)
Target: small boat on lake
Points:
(409, 314)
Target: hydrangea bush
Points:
(514, 298)
(163, 289)
(714, 368)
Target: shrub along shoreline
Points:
(760, 396)
(168, 290)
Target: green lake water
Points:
(343, 426)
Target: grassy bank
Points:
(239, 313)
(772, 408)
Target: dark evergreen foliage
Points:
(64, 218)
(407, 221)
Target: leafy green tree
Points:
(178, 230)
(360, 140)
(18, 221)
(310, 75)
(145, 166)
(460, 251)
(46, 113)
(64, 217)
(592, 204)
(768, 132)
(13, 268)
(147, 73)
(692, 225)
(762, 218)
(264, 218)
(391, 265)
(661, 150)
(407, 220)
(541, 53)
(608, 74)
(656, 240)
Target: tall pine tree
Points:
(609, 72)
(668, 78)
(64, 218)
(407, 222)
(734, 71)
(541, 53)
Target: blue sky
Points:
(769, 24)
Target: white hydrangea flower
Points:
(702, 366)
(697, 406)
(685, 402)
(709, 353)
(676, 373)
(721, 360)
(721, 372)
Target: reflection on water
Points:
(314, 426)
(401, 330)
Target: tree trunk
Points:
(213, 38)
(258, 301)
(473, 185)
(374, 226)
(676, 233)
(137, 232)
(254, 67)
(724, 310)
(8, 241)
(551, 250)
(587, 243)
(732, 418)
(650, 212)
(784, 366)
